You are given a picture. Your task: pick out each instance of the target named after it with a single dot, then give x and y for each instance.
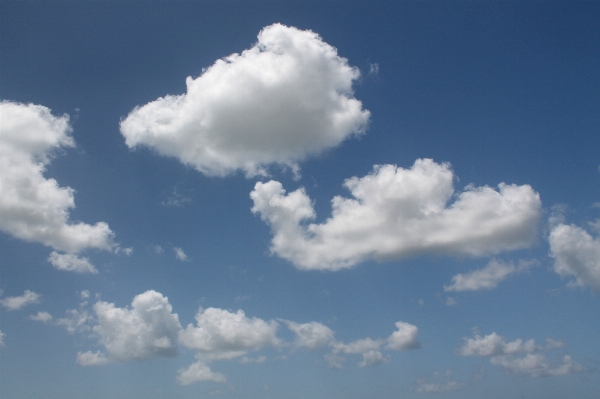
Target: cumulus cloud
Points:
(576, 253)
(71, 263)
(90, 358)
(44, 317)
(311, 335)
(287, 97)
(520, 357)
(223, 335)
(179, 254)
(77, 321)
(17, 302)
(396, 213)
(33, 208)
(315, 335)
(147, 329)
(487, 278)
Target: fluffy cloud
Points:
(488, 277)
(18, 302)
(146, 330)
(71, 263)
(287, 97)
(315, 335)
(34, 208)
(311, 335)
(90, 358)
(44, 317)
(507, 355)
(223, 335)
(576, 253)
(398, 212)
(179, 254)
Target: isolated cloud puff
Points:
(34, 208)
(44, 317)
(520, 357)
(287, 97)
(18, 302)
(147, 330)
(576, 253)
(223, 335)
(71, 262)
(311, 335)
(488, 277)
(2, 335)
(398, 212)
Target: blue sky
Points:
(299, 200)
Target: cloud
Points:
(33, 208)
(396, 213)
(311, 335)
(18, 302)
(287, 97)
(2, 335)
(576, 253)
(442, 383)
(71, 263)
(77, 321)
(44, 317)
(507, 355)
(90, 358)
(179, 254)
(315, 335)
(488, 277)
(223, 335)
(146, 330)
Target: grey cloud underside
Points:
(396, 213)
(287, 97)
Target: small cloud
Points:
(373, 69)
(421, 302)
(158, 249)
(44, 317)
(71, 263)
(18, 302)
(90, 358)
(451, 301)
(125, 251)
(179, 254)
(176, 198)
(2, 335)
(442, 382)
(488, 277)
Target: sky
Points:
(281, 199)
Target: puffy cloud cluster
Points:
(315, 335)
(287, 97)
(398, 212)
(223, 335)
(18, 302)
(146, 330)
(518, 356)
(488, 277)
(576, 253)
(34, 208)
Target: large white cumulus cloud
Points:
(287, 97)
(398, 212)
(34, 208)
(146, 330)
(576, 253)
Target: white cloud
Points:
(396, 213)
(576, 253)
(146, 330)
(287, 97)
(442, 383)
(311, 335)
(158, 249)
(90, 358)
(536, 365)
(76, 321)
(2, 335)
(488, 277)
(179, 254)
(34, 208)
(44, 317)
(404, 338)
(223, 335)
(18, 302)
(507, 355)
(71, 263)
